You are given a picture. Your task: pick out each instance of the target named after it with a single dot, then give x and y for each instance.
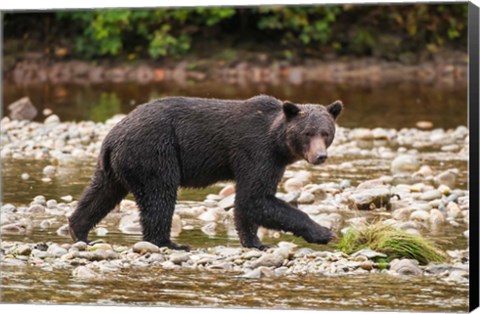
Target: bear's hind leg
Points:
(157, 204)
(98, 199)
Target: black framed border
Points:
(473, 121)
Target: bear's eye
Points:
(309, 133)
(324, 134)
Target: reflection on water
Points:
(394, 105)
(154, 286)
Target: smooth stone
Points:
(306, 198)
(23, 249)
(368, 253)
(100, 246)
(293, 185)
(25, 176)
(431, 195)
(420, 215)
(228, 202)
(179, 258)
(453, 210)
(56, 251)
(227, 190)
(52, 119)
(370, 199)
(269, 260)
(22, 109)
(436, 217)
(80, 245)
(404, 164)
(447, 178)
(49, 170)
(84, 273)
(36, 209)
(407, 267)
(143, 247)
(101, 232)
(51, 204)
(8, 208)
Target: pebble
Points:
(101, 232)
(447, 178)
(25, 176)
(431, 195)
(227, 191)
(52, 119)
(49, 171)
(453, 210)
(143, 247)
(100, 246)
(227, 202)
(404, 164)
(306, 198)
(293, 185)
(407, 267)
(269, 260)
(179, 258)
(84, 273)
(420, 215)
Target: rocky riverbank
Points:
(447, 71)
(416, 193)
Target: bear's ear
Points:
(290, 109)
(335, 108)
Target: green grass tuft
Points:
(394, 243)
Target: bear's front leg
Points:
(274, 213)
(247, 230)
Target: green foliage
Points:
(381, 30)
(390, 241)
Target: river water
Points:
(390, 106)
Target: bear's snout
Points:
(317, 151)
(321, 157)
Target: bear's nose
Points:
(321, 157)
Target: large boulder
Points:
(22, 109)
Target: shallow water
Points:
(366, 107)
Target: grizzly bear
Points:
(194, 142)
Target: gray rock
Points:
(22, 109)
(269, 260)
(49, 171)
(407, 267)
(143, 247)
(179, 258)
(306, 198)
(52, 119)
(368, 253)
(370, 199)
(431, 195)
(80, 245)
(228, 202)
(447, 178)
(404, 164)
(56, 250)
(8, 208)
(23, 249)
(20, 227)
(84, 273)
(36, 209)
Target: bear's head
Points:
(310, 129)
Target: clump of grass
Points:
(394, 243)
